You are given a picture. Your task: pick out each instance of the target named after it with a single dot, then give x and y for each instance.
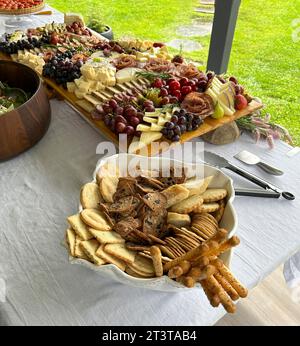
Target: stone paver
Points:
(207, 2)
(205, 10)
(195, 29)
(187, 45)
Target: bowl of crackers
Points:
(145, 222)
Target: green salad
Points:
(11, 98)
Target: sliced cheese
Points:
(155, 127)
(150, 120)
(79, 94)
(151, 114)
(149, 137)
(143, 128)
(126, 74)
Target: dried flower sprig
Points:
(262, 128)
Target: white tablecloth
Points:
(41, 187)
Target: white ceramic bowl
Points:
(229, 222)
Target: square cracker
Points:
(90, 247)
(107, 237)
(110, 258)
(120, 251)
(78, 252)
(79, 227)
(71, 239)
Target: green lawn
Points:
(264, 56)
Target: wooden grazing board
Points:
(209, 124)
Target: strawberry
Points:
(240, 102)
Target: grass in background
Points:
(264, 56)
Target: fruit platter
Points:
(20, 6)
(131, 86)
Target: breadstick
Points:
(156, 240)
(214, 286)
(240, 289)
(201, 262)
(227, 287)
(156, 258)
(188, 281)
(213, 298)
(196, 252)
(223, 247)
(181, 269)
(197, 274)
(220, 235)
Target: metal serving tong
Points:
(272, 191)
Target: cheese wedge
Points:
(143, 128)
(149, 137)
(71, 87)
(155, 127)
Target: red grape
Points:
(113, 104)
(129, 130)
(186, 90)
(210, 75)
(234, 80)
(138, 133)
(107, 109)
(134, 121)
(120, 127)
(120, 110)
(150, 109)
(165, 101)
(163, 92)
(120, 119)
(130, 112)
(202, 84)
(140, 115)
(173, 99)
(184, 81)
(148, 103)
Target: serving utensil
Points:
(220, 162)
(251, 159)
(256, 193)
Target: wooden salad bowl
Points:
(24, 126)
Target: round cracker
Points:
(187, 246)
(166, 251)
(200, 233)
(207, 208)
(214, 195)
(90, 196)
(172, 242)
(189, 240)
